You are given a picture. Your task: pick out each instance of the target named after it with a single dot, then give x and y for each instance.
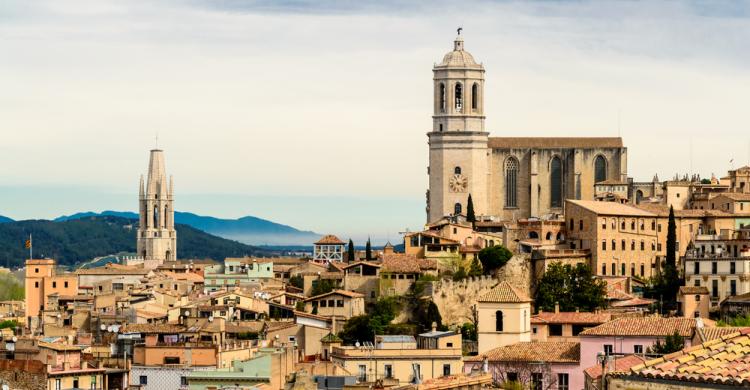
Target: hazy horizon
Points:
(313, 113)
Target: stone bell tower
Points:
(458, 141)
(157, 238)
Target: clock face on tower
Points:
(458, 183)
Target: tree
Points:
(365, 327)
(297, 281)
(494, 257)
(10, 288)
(300, 306)
(368, 250)
(470, 217)
(475, 269)
(665, 285)
(469, 331)
(460, 274)
(425, 314)
(570, 287)
(672, 343)
(350, 251)
(322, 286)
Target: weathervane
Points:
(458, 30)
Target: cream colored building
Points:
(157, 237)
(508, 177)
(504, 316)
(402, 360)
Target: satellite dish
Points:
(103, 327)
(211, 319)
(14, 338)
(186, 313)
(356, 344)
(109, 328)
(5, 387)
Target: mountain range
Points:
(249, 230)
(81, 239)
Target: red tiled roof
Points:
(534, 351)
(400, 263)
(644, 326)
(621, 364)
(329, 239)
(724, 361)
(634, 301)
(349, 294)
(504, 293)
(570, 317)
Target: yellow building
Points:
(504, 316)
(402, 360)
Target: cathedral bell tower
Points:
(458, 141)
(157, 238)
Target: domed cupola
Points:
(459, 57)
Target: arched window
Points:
(632, 245)
(549, 236)
(643, 245)
(555, 175)
(533, 235)
(499, 321)
(632, 225)
(559, 236)
(600, 169)
(459, 97)
(166, 216)
(638, 197)
(457, 208)
(457, 170)
(614, 245)
(442, 97)
(474, 96)
(156, 217)
(511, 188)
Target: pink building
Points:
(540, 364)
(630, 335)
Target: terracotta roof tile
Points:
(153, 328)
(620, 364)
(570, 317)
(504, 293)
(690, 290)
(535, 351)
(644, 326)
(723, 361)
(400, 263)
(349, 294)
(708, 334)
(329, 239)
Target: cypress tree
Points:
(368, 250)
(470, 217)
(671, 239)
(350, 251)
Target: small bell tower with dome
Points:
(458, 141)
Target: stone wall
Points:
(456, 300)
(23, 374)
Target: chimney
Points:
(434, 326)
(557, 307)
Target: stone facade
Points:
(508, 178)
(157, 238)
(23, 374)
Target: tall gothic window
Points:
(442, 97)
(600, 169)
(156, 217)
(511, 182)
(555, 175)
(459, 97)
(474, 96)
(166, 216)
(457, 208)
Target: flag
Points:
(28, 244)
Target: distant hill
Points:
(249, 230)
(5, 219)
(80, 239)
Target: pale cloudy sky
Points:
(314, 113)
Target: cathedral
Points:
(508, 178)
(157, 238)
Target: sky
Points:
(314, 113)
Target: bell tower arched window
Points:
(511, 182)
(459, 97)
(442, 97)
(475, 96)
(457, 170)
(156, 217)
(457, 208)
(499, 321)
(555, 175)
(600, 169)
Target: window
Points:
(499, 321)
(608, 349)
(459, 97)
(614, 245)
(555, 174)
(659, 228)
(446, 369)
(324, 303)
(604, 245)
(36, 270)
(653, 225)
(362, 373)
(697, 298)
(604, 224)
(632, 245)
(340, 302)
(732, 287)
(578, 329)
(442, 97)
(474, 96)
(536, 381)
(143, 380)
(714, 266)
(183, 381)
(388, 371)
(622, 269)
(658, 247)
(171, 360)
(457, 208)
(65, 284)
(643, 245)
(58, 384)
(697, 283)
(54, 284)
(696, 268)
(36, 284)
(643, 270)
(614, 270)
(512, 376)
(562, 382)
(732, 268)
(638, 349)
(632, 225)
(511, 176)
(572, 224)
(555, 330)
(600, 169)
(457, 170)
(714, 288)
(622, 225)
(632, 269)
(604, 269)
(622, 244)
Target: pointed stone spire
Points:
(171, 186)
(141, 190)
